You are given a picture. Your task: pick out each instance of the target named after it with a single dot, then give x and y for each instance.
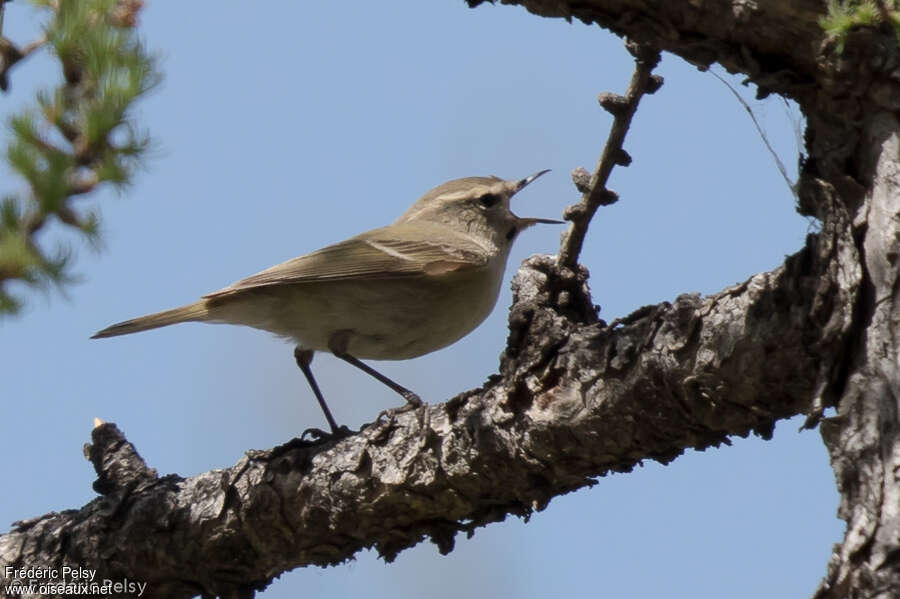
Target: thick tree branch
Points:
(864, 439)
(774, 42)
(577, 398)
(574, 401)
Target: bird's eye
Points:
(489, 200)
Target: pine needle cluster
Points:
(73, 138)
(846, 15)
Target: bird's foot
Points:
(413, 401)
(389, 416)
(318, 436)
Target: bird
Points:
(393, 293)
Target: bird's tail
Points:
(196, 311)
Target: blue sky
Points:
(282, 129)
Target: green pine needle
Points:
(78, 132)
(845, 15)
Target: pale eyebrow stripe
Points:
(389, 251)
(457, 195)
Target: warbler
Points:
(392, 293)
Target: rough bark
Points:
(864, 439)
(577, 397)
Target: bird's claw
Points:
(389, 416)
(318, 436)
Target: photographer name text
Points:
(64, 573)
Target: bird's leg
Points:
(338, 347)
(412, 400)
(304, 359)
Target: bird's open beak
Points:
(527, 222)
(521, 184)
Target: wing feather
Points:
(398, 251)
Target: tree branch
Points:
(574, 401)
(863, 439)
(577, 398)
(11, 55)
(594, 191)
(774, 42)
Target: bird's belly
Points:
(393, 319)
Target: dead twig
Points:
(593, 187)
(10, 55)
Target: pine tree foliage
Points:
(75, 137)
(845, 15)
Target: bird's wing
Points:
(392, 252)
